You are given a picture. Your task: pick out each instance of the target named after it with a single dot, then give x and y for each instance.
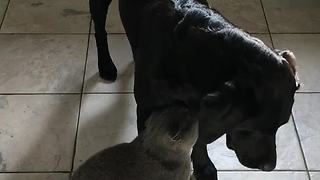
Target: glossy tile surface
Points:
(293, 16)
(44, 16)
(114, 24)
(306, 113)
(105, 121)
(41, 63)
(34, 176)
(315, 175)
(247, 14)
(3, 7)
(37, 132)
(263, 176)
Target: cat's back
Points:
(129, 161)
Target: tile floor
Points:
(55, 111)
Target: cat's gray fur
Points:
(161, 152)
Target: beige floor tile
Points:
(289, 16)
(288, 152)
(247, 14)
(263, 176)
(265, 38)
(306, 113)
(42, 63)
(306, 48)
(315, 175)
(34, 176)
(122, 57)
(45, 16)
(114, 24)
(106, 120)
(37, 132)
(3, 7)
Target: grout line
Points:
(39, 33)
(101, 93)
(81, 97)
(49, 33)
(300, 145)
(295, 32)
(67, 172)
(259, 33)
(4, 14)
(115, 33)
(308, 92)
(257, 170)
(32, 94)
(79, 93)
(48, 94)
(265, 18)
(35, 172)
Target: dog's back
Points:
(161, 152)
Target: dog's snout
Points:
(267, 167)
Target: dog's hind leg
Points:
(99, 10)
(204, 169)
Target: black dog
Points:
(246, 89)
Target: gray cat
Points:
(161, 152)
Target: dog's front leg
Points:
(142, 115)
(99, 10)
(204, 169)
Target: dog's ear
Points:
(290, 59)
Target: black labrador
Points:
(186, 52)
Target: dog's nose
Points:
(267, 167)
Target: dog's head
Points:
(266, 82)
(254, 140)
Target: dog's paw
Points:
(108, 71)
(206, 173)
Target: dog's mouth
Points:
(254, 164)
(246, 162)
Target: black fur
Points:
(246, 89)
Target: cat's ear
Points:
(176, 137)
(180, 121)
